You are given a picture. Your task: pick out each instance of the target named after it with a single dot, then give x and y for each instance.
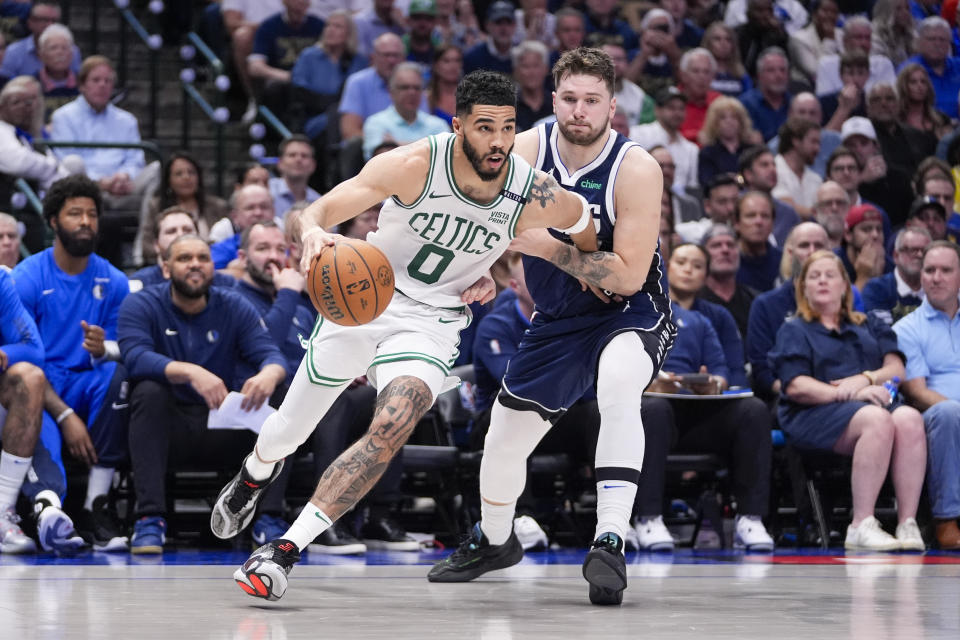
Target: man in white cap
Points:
(879, 181)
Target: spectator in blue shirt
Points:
(403, 121)
(759, 260)
(22, 420)
(277, 43)
(862, 253)
(769, 103)
(932, 382)
(770, 309)
(933, 54)
(184, 344)
(379, 19)
(736, 429)
(295, 166)
(172, 223)
(899, 292)
(251, 204)
(832, 363)
(687, 272)
(603, 25)
(494, 53)
(21, 57)
(421, 40)
(74, 296)
(320, 72)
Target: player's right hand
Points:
(602, 294)
(313, 241)
(77, 439)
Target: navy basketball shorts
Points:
(556, 362)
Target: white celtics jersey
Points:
(443, 242)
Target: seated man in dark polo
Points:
(183, 343)
(759, 260)
(172, 223)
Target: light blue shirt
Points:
(22, 59)
(283, 198)
(77, 121)
(389, 123)
(931, 342)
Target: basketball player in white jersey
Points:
(614, 336)
(455, 203)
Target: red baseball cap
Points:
(859, 213)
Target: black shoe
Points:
(337, 541)
(264, 574)
(236, 503)
(606, 570)
(475, 556)
(385, 533)
(102, 528)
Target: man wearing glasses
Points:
(22, 57)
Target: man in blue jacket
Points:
(900, 291)
(73, 295)
(22, 387)
(183, 343)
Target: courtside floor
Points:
(187, 594)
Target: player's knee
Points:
(23, 379)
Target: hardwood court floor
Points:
(690, 595)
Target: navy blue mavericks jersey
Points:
(558, 294)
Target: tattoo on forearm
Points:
(544, 191)
(592, 267)
(398, 409)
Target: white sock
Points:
(309, 524)
(98, 484)
(614, 505)
(13, 469)
(496, 520)
(257, 468)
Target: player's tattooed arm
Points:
(597, 268)
(544, 190)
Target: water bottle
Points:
(891, 386)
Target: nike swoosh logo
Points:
(116, 406)
(47, 292)
(322, 518)
(442, 195)
(614, 486)
(442, 321)
(171, 332)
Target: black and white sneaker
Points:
(337, 541)
(237, 502)
(606, 570)
(101, 527)
(476, 556)
(386, 534)
(264, 574)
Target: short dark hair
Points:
(720, 180)
(487, 88)
(930, 168)
(750, 155)
(587, 61)
(793, 131)
(178, 240)
(842, 152)
(854, 59)
(75, 186)
(245, 236)
(754, 193)
(942, 244)
(706, 254)
(297, 137)
(170, 211)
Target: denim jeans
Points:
(942, 422)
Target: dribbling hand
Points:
(313, 241)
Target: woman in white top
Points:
(819, 38)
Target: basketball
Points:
(350, 283)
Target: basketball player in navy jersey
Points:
(601, 318)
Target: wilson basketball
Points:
(350, 283)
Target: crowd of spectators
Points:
(810, 160)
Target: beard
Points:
(262, 275)
(476, 160)
(586, 138)
(187, 290)
(74, 244)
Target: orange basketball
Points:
(350, 283)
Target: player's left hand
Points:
(93, 337)
(534, 242)
(482, 291)
(256, 391)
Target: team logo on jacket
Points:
(98, 291)
(213, 335)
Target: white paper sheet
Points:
(231, 416)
